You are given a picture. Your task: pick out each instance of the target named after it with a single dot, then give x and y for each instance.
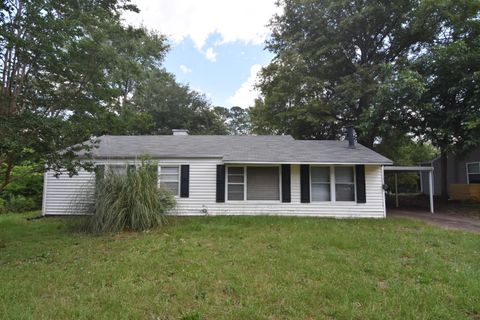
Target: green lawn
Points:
(240, 268)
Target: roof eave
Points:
(153, 157)
(306, 162)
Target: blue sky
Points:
(220, 79)
(217, 46)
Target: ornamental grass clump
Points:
(130, 200)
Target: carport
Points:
(399, 169)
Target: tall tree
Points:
(139, 53)
(239, 121)
(57, 67)
(236, 119)
(405, 150)
(449, 116)
(172, 105)
(334, 61)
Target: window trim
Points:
(159, 180)
(333, 183)
(245, 181)
(468, 173)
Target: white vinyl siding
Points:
(60, 194)
(202, 199)
(170, 178)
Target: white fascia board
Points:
(306, 162)
(407, 169)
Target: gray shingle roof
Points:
(237, 149)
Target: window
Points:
(344, 184)
(320, 178)
(473, 172)
(333, 183)
(263, 183)
(253, 183)
(236, 183)
(118, 169)
(170, 178)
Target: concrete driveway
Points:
(445, 220)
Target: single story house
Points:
(243, 175)
(460, 171)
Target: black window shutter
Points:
(184, 181)
(286, 183)
(304, 183)
(220, 183)
(360, 183)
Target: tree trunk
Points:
(444, 173)
(7, 178)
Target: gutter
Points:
(306, 162)
(151, 157)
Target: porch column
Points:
(396, 190)
(430, 184)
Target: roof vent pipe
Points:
(180, 132)
(351, 137)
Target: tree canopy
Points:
(340, 63)
(55, 63)
(71, 70)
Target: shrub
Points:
(21, 203)
(130, 201)
(3, 206)
(26, 188)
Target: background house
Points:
(460, 170)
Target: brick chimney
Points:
(351, 137)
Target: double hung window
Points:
(253, 183)
(170, 178)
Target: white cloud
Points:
(244, 20)
(245, 96)
(185, 69)
(211, 55)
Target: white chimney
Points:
(180, 132)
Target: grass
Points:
(240, 268)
